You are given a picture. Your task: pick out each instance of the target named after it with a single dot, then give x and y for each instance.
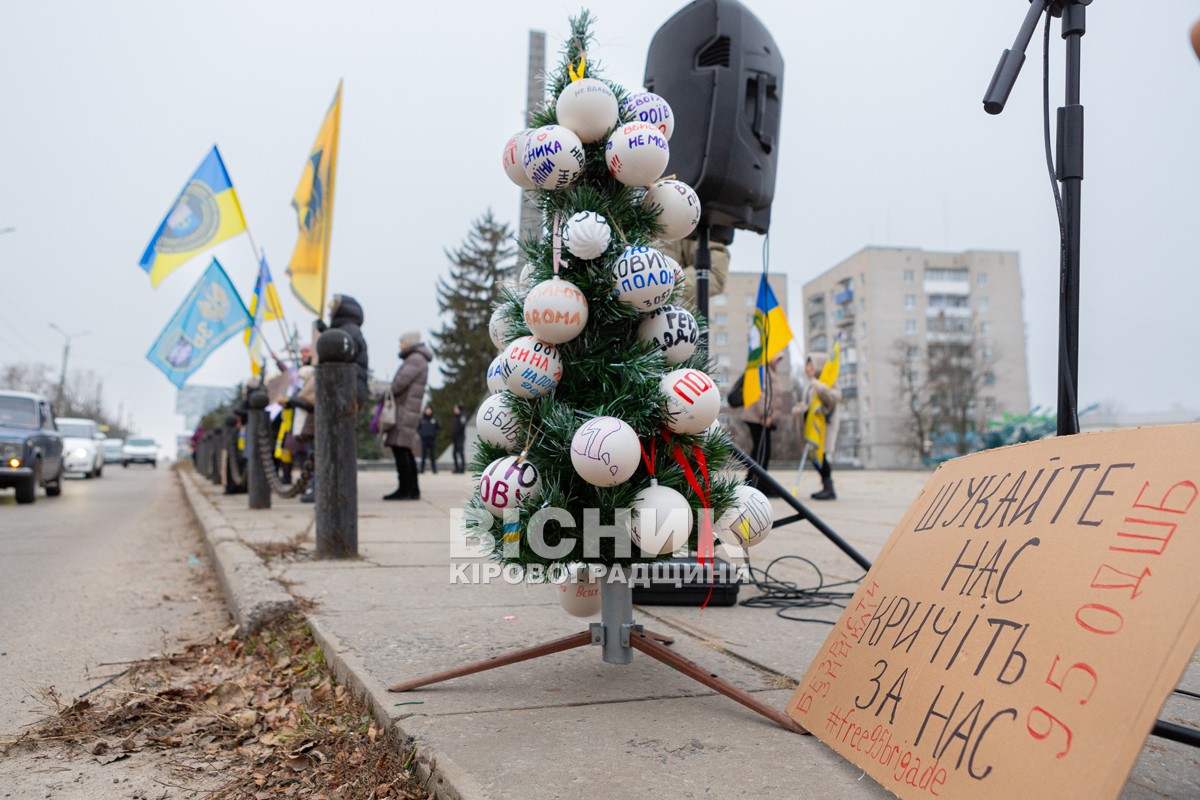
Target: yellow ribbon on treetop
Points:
(582, 66)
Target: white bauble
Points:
(680, 208)
(496, 422)
(649, 107)
(671, 329)
(605, 451)
(586, 235)
(643, 277)
(636, 154)
(556, 311)
(693, 400)
(526, 271)
(588, 107)
(579, 595)
(507, 483)
(553, 157)
(499, 328)
(514, 160)
(534, 367)
(749, 520)
(497, 374)
(661, 521)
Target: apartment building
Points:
(894, 310)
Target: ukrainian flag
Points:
(264, 306)
(768, 338)
(815, 420)
(207, 212)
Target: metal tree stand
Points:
(618, 636)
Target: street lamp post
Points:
(62, 377)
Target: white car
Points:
(83, 453)
(139, 451)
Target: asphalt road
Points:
(111, 571)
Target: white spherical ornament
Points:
(556, 311)
(605, 451)
(526, 271)
(661, 521)
(497, 374)
(507, 483)
(499, 328)
(636, 154)
(644, 278)
(496, 422)
(579, 595)
(680, 208)
(553, 157)
(533, 367)
(693, 400)
(514, 160)
(588, 107)
(673, 330)
(649, 107)
(749, 520)
(586, 235)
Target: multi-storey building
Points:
(730, 318)
(894, 309)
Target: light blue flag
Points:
(211, 313)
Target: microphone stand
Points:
(1069, 173)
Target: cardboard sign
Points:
(1024, 623)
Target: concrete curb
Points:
(254, 597)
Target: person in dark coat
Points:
(428, 429)
(458, 438)
(345, 314)
(408, 390)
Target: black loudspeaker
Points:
(720, 70)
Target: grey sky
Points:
(110, 107)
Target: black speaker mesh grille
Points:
(715, 54)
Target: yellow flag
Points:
(313, 202)
(814, 421)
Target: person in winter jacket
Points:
(829, 397)
(760, 418)
(458, 438)
(428, 429)
(345, 314)
(408, 389)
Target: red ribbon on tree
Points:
(705, 541)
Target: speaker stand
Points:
(618, 636)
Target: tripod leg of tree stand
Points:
(659, 637)
(652, 648)
(512, 657)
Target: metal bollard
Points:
(215, 453)
(229, 457)
(257, 422)
(336, 447)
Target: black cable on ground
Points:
(789, 598)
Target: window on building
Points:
(749, 299)
(983, 304)
(866, 426)
(909, 276)
(862, 330)
(720, 338)
(989, 378)
(910, 326)
(720, 318)
(981, 279)
(862, 303)
(912, 353)
(989, 403)
(864, 377)
(985, 328)
(956, 274)
(724, 361)
(866, 407)
(910, 302)
(987, 353)
(720, 300)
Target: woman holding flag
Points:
(816, 415)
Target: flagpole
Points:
(282, 318)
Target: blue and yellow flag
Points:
(815, 420)
(211, 313)
(768, 338)
(313, 201)
(264, 306)
(207, 212)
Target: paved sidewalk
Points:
(569, 725)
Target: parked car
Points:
(31, 448)
(113, 451)
(82, 452)
(140, 451)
